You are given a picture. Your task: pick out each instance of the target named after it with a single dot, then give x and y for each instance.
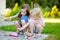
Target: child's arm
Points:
(25, 26)
(14, 16)
(9, 19)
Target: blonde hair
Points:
(36, 5)
(37, 12)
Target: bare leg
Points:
(17, 25)
(31, 26)
(39, 27)
(24, 23)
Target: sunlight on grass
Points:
(52, 20)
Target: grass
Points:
(53, 29)
(8, 28)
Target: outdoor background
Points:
(50, 10)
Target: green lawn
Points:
(53, 29)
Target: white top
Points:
(41, 22)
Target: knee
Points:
(31, 24)
(16, 23)
(23, 22)
(38, 26)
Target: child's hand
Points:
(8, 19)
(19, 29)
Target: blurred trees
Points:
(43, 3)
(50, 8)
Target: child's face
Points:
(34, 16)
(23, 12)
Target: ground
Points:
(4, 35)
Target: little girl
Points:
(22, 17)
(22, 20)
(36, 20)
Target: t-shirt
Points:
(25, 18)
